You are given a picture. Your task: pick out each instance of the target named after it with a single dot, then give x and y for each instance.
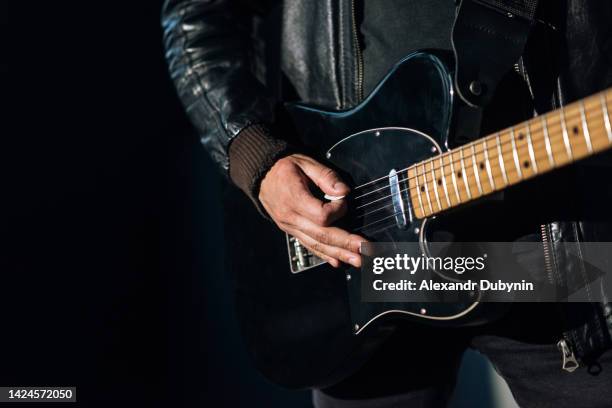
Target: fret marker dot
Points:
(439, 182)
(526, 164)
(575, 130)
(482, 166)
(422, 188)
(521, 136)
(458, 174)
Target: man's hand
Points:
(285, 194)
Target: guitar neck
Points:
(506, 158)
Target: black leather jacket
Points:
(219, 54)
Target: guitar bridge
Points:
(300, 258)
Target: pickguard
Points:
(371, 155)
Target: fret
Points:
(534, 163)
(463, 173)
(435, 185)
(551, 159)
(536, 146)
(568, 147)
(606, 115)
(517, 163)
(585, 128)
(418, 189)
(488, 165)
(475, 166)
(444, 182)
(502, 166)
(454, 179)
(427, 190)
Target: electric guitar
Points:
(302, 320)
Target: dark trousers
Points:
(418, 368)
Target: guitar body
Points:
(309, 329)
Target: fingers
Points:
(324, 177)
(286, 196)
(332, 236)
(322, 213)
(329, 241)
(302, 238)
(328, 252)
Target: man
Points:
(224, 61)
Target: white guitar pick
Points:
(333, 198)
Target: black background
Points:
(110, 261)
(110, 258)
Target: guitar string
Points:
(419, 207)
(532, 128)
(379, 220)
(376, 210)
(536, 142)
(512, 129)
(428, 181)
(436, 159)
(426, 175)
(478, 149)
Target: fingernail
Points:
(355, 261)
(340, 186)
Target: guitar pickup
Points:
(300, 258)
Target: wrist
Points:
(251, 154)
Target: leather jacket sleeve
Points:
(208, 50)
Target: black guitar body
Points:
(310, 329)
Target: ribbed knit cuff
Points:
(251, 154)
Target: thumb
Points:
(324, 177)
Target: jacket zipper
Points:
(547, 254)
(359, 56)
